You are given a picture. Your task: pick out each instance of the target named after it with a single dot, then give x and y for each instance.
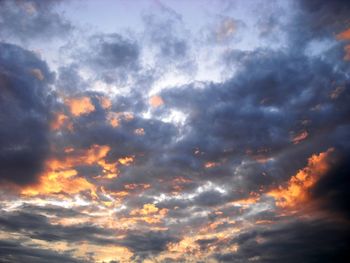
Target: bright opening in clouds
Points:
(174, 131)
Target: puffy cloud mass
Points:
(25, 114)
(174, 132)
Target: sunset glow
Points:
(163, 131)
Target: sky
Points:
(174, 131)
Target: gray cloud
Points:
(147, 244)
(11, 251)
(238, 136)
(27, 20)
(306, 241)
(38, 226)
(24, 106)
(114, 51)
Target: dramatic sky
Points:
(174, 131)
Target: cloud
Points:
(168, 41)
(318, 20)
(148, 243)
(156, 101)
(28, 20)
(253, 115)
(297, 190)
(104, 171)
(80, 106)
(39, 227)
(307, 241)
(15, 252)
(25, 105)
(110, 58)
(114, 51)
(224, 30)
(331, 190)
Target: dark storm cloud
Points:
(52, 210)
(253, 115)
(238, 124)
(37, 226)
(238, 135)
(33, 19)
(24, 114)
(257, 113)
(11, 251)
(210, 198)
(317, 20)
(148, 243)
(332, 189)
(299, 241)
(326, 16)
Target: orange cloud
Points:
(260, 155)
(61, 176)
(297, 189)
(89, 156)
(149, 213)
(179, 183)
(148, 209)
(345, 35)
(69, 150)
(246, 202)
(126, 160)
(110, 170)
(210, 164)
(106, 103)
(156, 101)
(59, 120)
(300, 137)
(186, 245)
(114, 118)
(80, 106)
(182, 180)
(59, 181)
(137, 186)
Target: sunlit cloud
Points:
(167, 131)
(156, 101)
(345, 35)
(296, 191)
(300, 137)
(80, 106)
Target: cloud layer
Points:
(173, 142)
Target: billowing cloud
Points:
(193, 134)
(25, 114)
